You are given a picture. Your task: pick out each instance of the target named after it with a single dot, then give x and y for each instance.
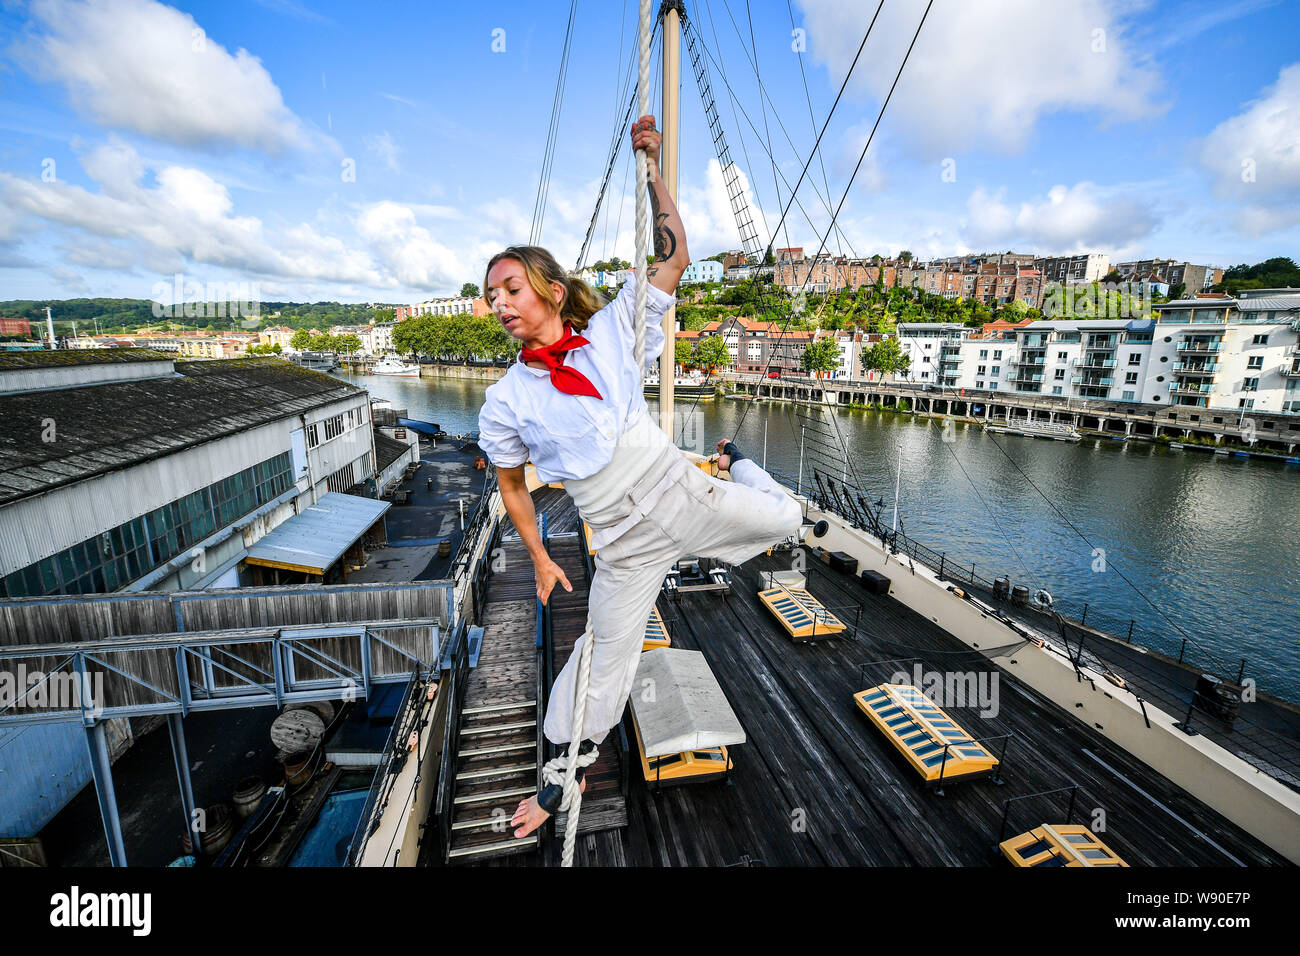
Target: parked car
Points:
(776, 374)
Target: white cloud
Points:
(187, 213)
(1074, 219)
(141, 66)
(408, 250)
(984, 73)
(1254, 157)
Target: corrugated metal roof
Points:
(318, 537)
(688, 711)
(1270, 303)
(103, 428)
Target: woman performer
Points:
(573, 404)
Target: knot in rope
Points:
(555, 771)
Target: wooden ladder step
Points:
(496, 728)
(494, 708)
(496, 771)
(513, 843)
(503, 748)
(496, 795)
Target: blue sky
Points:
(139, 140)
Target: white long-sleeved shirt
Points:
(526, 418)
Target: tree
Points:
(905, 256)
(469, 291)
(886, 357)
(300, 341)
(1176, 291)
(682, 352)
(383, 316)
(348, 343)
(711, 353)
(822, 356)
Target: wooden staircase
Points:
(497, 745)
(603, 804)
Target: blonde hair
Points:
(579, 302)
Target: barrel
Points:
(1020, 595)
(296, 730)
(444, 548)
(248, 794)
(297, 768)
(1002, 588)
(216, 833)
(321, 708)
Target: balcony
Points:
(1190, 388)
(1290, 371)
(949, 357)
(1099, 382)
(1093, 363)
(1295, 326)
(1205, 348)
(1105, 344)
(1028, 377)
(1186, 368)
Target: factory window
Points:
(333, 427)
(116, 557)
(313, 435)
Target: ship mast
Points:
(671, 14)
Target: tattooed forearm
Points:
(665, 241)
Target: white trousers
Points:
(698, 516)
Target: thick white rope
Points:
(572, 802)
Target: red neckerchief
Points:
(566, 379)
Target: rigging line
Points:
(767, 131)
(615, 146)
(740, 133)
(619, 96)
(812, 120)
(825, 200)
(996, 523)
(793, 192)
(548, 155)
(861, 158)
(765, 96)
(1109, 565)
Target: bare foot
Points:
(724, 460)
(529, 816)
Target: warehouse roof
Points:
(56, 437)
(314, 540)
(13, 361)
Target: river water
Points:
(1209, 540)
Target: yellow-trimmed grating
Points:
(920, 730)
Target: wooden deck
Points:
(816, 784)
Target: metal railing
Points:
(391, 762)
(454, 687)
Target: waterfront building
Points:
(1169, 273)
(703, 270)
(1073, 270)
(276, 335)
(446, 305)
(15, 328)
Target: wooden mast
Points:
(670, 13)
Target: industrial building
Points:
(130, 470)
